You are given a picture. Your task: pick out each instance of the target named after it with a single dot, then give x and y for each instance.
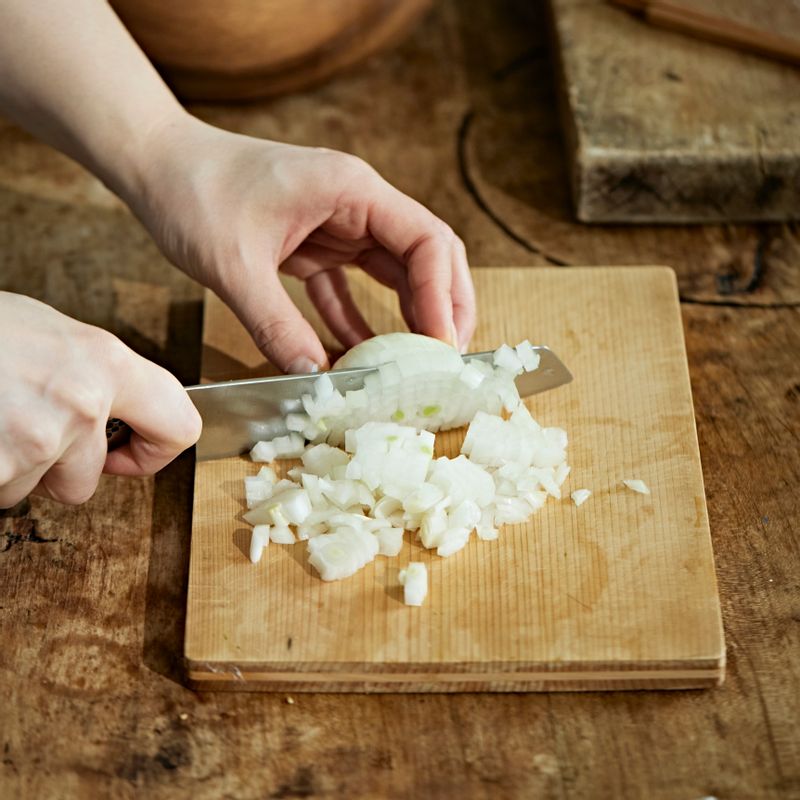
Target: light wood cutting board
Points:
(617, 594)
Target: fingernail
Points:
(302, 365)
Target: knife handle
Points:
(117, 433)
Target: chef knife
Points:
(237, 414)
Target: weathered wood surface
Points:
(664, 127)
(91, 622)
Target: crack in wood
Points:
(23, 531)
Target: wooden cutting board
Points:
(617, 594)
(664, 127)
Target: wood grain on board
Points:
(619, 593)
(664, 127)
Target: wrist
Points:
(134, 166)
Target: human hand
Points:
(231, 211)
(61, 382)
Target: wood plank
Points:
(619, 593)
(662, 127)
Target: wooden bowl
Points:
(244, 49)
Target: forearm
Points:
(71, 74)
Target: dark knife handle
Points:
(117, 433)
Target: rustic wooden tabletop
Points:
(92, 599)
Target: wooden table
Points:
(92, 598)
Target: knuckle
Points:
(108, 348)
(271, 335)
(355, 166)
(443, 231)
(86, 402)
(41, 442)
(32, 436)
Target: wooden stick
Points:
(677, 17)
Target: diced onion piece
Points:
(527, 356)
(294, 505)
(260, 514)
(309, 531)
(322, 458)
(506, 358)
(390, 541)
(256, 491)
(323, 387)
(290, 446)
(391, 458)
(637, 486)
(268, 475)
(296, 422)
(511, 511)
(487, 533)
(453, 540)
(425, 496)
(281, 534)
(561, 473)
(580, 496)
(386, 506)
(263, 451)
(341, 554)
(461, 479)
(485, 528)
(471, 376)
(259, 539)
(414, 580)
(465, 515)
(432, 528)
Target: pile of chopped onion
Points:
(353, 503)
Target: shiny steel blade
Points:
(237, 414)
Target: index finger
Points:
(163, 419)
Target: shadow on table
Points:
(168, 571)
(171, 526)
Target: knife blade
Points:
(237, 414)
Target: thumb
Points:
(278, 328)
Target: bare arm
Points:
(71, 74)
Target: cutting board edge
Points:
(202, 676)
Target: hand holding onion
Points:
(232, 211)
(62, 380)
